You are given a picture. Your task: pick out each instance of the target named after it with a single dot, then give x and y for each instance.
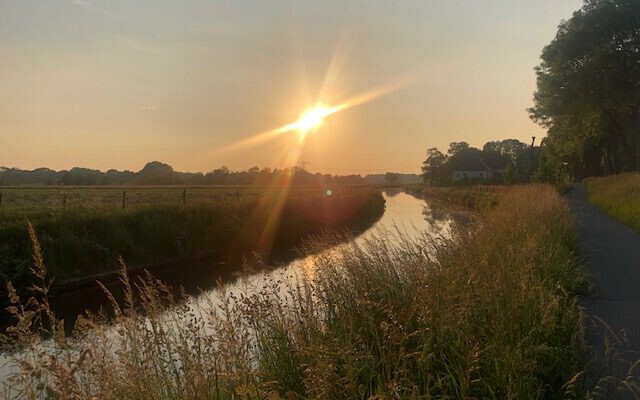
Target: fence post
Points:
(0, 199)
(64, 201)
(184, 197)
(124, 199)
(238, 195)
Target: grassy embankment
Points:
(492, 315)
(618, 196)
(480, 198)
(84, 241)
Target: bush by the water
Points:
(618, 196)
(493, 314)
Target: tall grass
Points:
(618, 196)
(492, 314)
(480, 198)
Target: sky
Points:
(117, 83)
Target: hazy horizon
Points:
(115, 84)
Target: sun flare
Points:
(312, 118)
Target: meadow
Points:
(33, 199)
(493, 313)
(83, 231)
(618, 196)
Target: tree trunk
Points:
(635, 139)
(614, 157)
(635, 135)
(611, 157)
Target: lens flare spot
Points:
(328, 192)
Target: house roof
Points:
(475, 162)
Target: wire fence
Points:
(55, 198)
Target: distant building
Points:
(474, 168)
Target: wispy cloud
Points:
(137, 45)
(91, 6)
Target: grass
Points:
(493, 314)
(84, 241)
(37, 199)
(480, 198)
(618, 196)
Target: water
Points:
(410, 215)
(403, 213)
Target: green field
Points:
(618, 196)
(85, 234)
(53, 198)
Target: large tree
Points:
(588, 90)
(512, 157)
(434, 168)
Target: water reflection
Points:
(436, 218)
(405, 217)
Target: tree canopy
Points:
(588, 92)
(508, 161)
(157, 173)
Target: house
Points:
(474, 167)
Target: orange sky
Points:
(114, 84)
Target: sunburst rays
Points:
(311, 119)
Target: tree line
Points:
(588, 93)
(587, 97)
(157, 173)
(500, 162)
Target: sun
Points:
(311, 118)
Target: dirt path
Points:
(613, 259)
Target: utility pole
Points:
(533, 142)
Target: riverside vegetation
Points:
(84, 241)
(492, 313)
(618, 196)
(480, 198)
